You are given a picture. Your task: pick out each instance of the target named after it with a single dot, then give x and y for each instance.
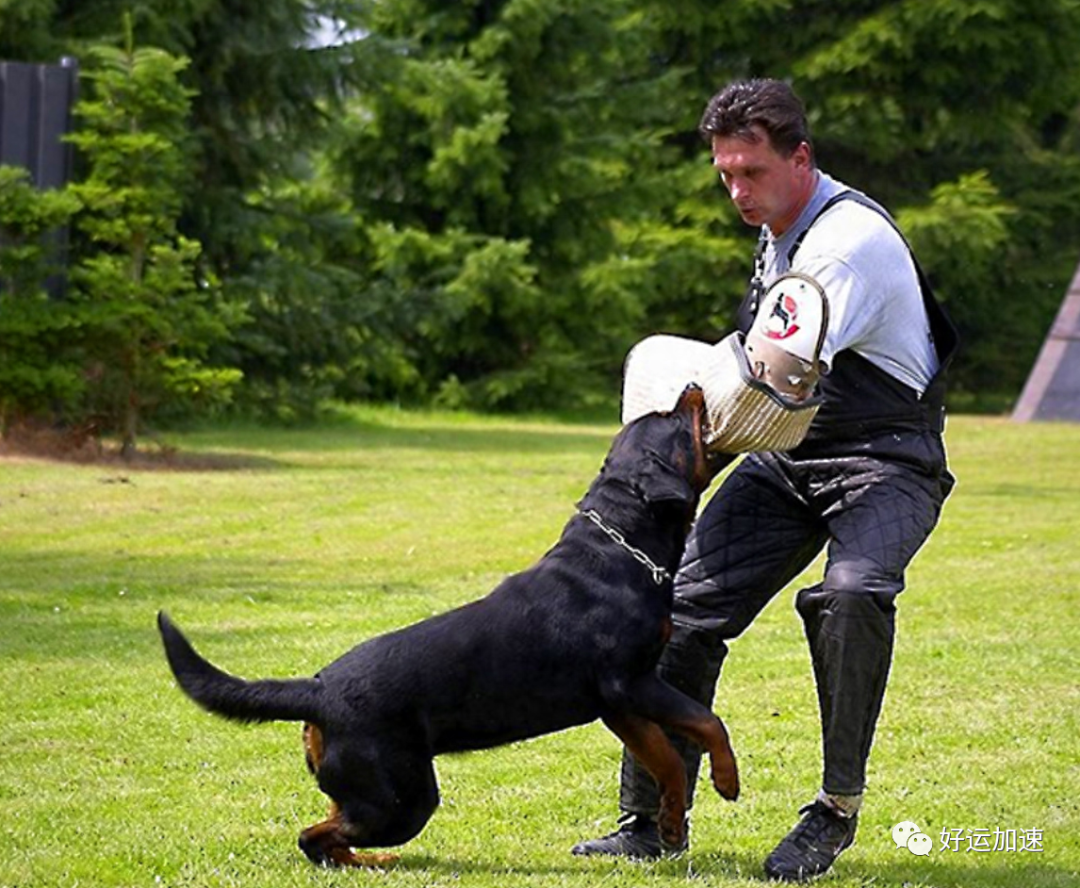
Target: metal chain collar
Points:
(660, 575)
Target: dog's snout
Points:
(692, 400)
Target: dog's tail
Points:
(232, 697)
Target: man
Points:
(867, 483)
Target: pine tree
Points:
(509, 173)
(151, 316)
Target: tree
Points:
(39, 367)
(515, 196)
(151, 318)
(27, 32)
(262, 95)
(551, 148)
(487, 202)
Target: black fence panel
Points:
(35, 114)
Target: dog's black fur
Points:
(574, 638)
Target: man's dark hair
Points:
(769, 104)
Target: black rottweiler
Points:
(574, 638)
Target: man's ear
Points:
(659, 483)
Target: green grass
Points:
(284, 548)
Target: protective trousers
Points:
(771, 516)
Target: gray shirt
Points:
(869, 278)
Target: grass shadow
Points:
(361, 434)
(455, 866)
(249, 445)
(938, 871)
(160, 458)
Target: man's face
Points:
(766, 188)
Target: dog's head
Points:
(662, 456)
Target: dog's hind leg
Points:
(313, 747)
(650, 745)
(381, 797)
(330, 843)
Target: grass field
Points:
(278, 550)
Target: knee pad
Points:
(863, 576)
(841, 612)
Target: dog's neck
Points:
(623, 508)
(660, 574)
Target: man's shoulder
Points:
(853, 232)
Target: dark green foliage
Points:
(488, 202)
(561, 137)
(511, 174)
(38, 371)
(28, 31)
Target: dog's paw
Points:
(725, 777)
(373, 861)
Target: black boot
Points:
(851, 641)
(637, 838)
(812, 846)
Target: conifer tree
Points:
(151, 317)
(510, 176)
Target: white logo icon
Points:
(907, 834)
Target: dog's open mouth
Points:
(693, 399)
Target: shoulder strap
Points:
(946, 339)
(748, 308)
(859, 198)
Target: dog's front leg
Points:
(655, 699)
(650, 745)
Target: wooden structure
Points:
(1053, 387)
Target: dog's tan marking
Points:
(328, 842)
(313, 747)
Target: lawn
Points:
(276, 550)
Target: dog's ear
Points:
(659, 483)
